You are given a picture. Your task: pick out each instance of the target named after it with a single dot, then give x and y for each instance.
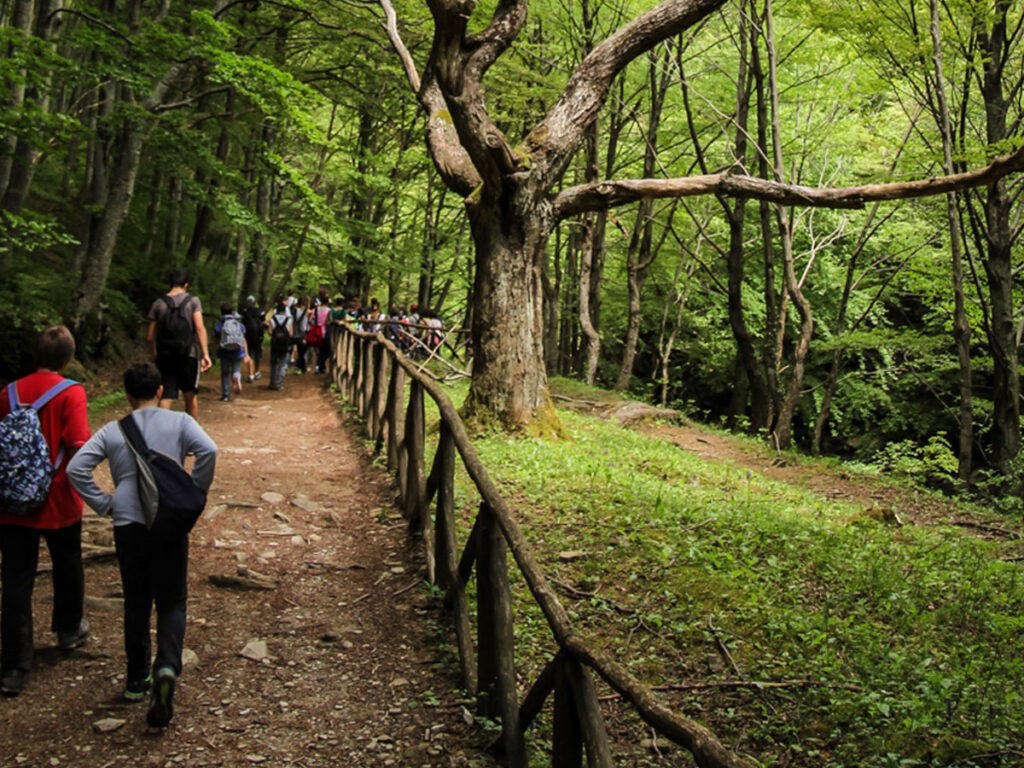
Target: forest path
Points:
(351, 673)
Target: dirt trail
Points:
(353, 673)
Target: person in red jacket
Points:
(65, 424)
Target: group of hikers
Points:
(299, 331)
(48, 457)
(47, 460)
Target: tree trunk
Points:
(961, 326)
(96, 265)
(509, 381)
(26, 154)
(784, 424)
(640, 253)
(998, 261)
(21, 20)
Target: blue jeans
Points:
(278, 368)
(229, 369)
(152, 572)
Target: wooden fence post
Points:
(366, 379)
(566, 739)
(396, 392)
(447, 554)
(496, 637)
(380, 378)
(414, 437)
(354, 372)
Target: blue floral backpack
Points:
(25, 468)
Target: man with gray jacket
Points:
(150, 570)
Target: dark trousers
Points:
(152, 572)
(19, 558)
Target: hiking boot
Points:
(135, 689)
(161, 702)
(72, 638)
(12, 682)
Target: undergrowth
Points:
(879, 645)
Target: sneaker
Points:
(12, 682)
(135, 689)
(250, 379)
(257, 375)
(225, 398)
(161, 702)
(238, 386)
(72, 638)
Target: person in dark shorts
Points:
(177, 340)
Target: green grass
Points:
(904, 644)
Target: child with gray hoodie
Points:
(150, 570)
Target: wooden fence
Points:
(387, 389)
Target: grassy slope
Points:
(904, 645)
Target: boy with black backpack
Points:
(177, 342)
(232, 350)
(255, 321)
(43, 406)
(280, 327)
(153, 569)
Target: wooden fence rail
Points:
(388, 390)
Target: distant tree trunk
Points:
(240, 264)
(261, 258)
(172, 230)
(784, 423)
(735, 213)
(774, 304)
(96, 265)
(357, 278)
(568, 337)
(590, 246)
(153, 213)
(640, 253)
(961, 326)
(26, 154)
(998, 262)
(22, 13)
(552, 308)
(666, 345)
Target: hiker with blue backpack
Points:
(43, 422)
(154, 567)
(232, 350)
(177, 341)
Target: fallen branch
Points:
(723, 651)
(579, 593)
(242, 582)
(403, 590)
(760, 684)
(987, 528)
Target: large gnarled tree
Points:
(511, 191)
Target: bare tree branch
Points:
(447, 152)
(552, 143)
(611, 193)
